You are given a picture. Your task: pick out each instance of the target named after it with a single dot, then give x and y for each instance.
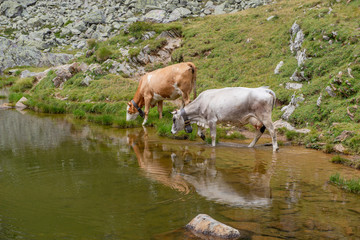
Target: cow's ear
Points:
(129, 104)
(173, 112)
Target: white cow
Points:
(237, 106)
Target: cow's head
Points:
(131, 112)
(179, 123)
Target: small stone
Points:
(330, 91)
(293, 86)
(339, 148)
(277, 69)
(205, 225)
(86, 81)
(318, 102)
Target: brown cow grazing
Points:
(168, 83)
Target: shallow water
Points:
(61, 179)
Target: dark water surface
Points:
(61, 179)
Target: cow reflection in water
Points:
(183, 169)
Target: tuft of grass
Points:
(103, 54)
(351, 185)
(14, 97)
(92, 43)
(79, 114)
(23, 84)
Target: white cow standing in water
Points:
(237, 106)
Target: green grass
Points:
(22, 85)
(354, 163)
(351, 185)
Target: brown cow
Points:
(168, 83)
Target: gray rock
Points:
(219, 9)
(156, 16)
(295, 28)
(289, 109)
(27, 3)
(148, 35)
(95, 17)
(293, 86)
(318, 101)
(277, 69)
(20, 104)
(179, 13)
(283, 124)
(86, 81)
(339, 148)
(270, 18)
(11, 9)
(298, 76)
(27, 73)
(80, 26)
(205, 225)
(35, 22)
(330, 91)
(295, 43)
(301, 57)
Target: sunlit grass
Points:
(351, 185)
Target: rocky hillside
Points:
(307, 51)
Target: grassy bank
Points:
(240, 49)
(351, 185)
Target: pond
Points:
(62, 179)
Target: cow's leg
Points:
(212, 126)
(146, 111)
(258, 134)
(185, 99)
(200, 133)
(269, 125)
(160, 108)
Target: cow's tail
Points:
(274, 97)
(193, 69)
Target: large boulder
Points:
(179, 13)
(156, 16)
(95, 17)
(11, 9)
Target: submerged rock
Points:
(205, 225)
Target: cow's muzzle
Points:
(188, 129)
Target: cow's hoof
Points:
(202, 136)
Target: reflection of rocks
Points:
(26, 131)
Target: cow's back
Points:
(232, 103)
(163, 81)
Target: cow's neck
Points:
(139, 99)
(192, 112)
